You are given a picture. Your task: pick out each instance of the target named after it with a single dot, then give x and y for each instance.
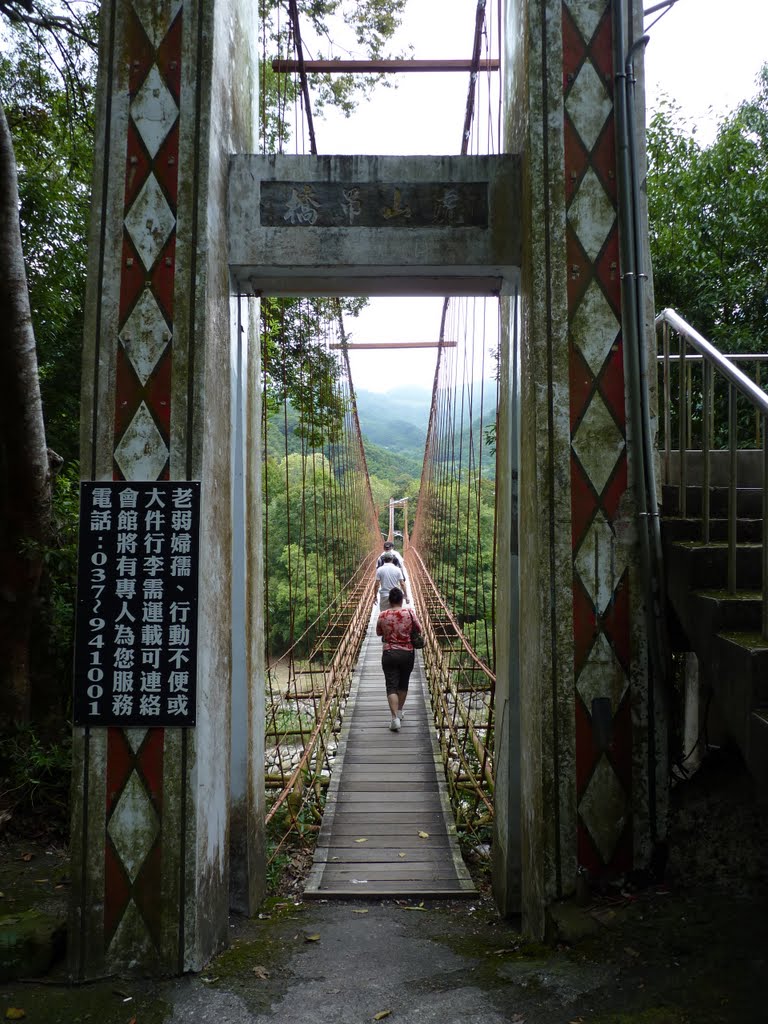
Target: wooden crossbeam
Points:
(378, 67)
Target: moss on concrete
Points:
(109, 1002)
(654, 1015)
(752, 641)
(29, 943)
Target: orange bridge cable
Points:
(485, 669)
(439, 694)
(293, 12)
(364, 566)
(326, 704)
(336, 677)
(355, 416)
(481, 747)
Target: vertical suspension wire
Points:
(320, 534)
(321, 579)
(452, 556)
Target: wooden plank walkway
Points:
(386, 788)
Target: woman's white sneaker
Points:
(394, 725)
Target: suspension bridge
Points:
(379, 806)
(229, 712)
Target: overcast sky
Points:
(704, 54)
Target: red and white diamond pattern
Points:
(598, 441)
(134, 832)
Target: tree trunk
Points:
(25, 484)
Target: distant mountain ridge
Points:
(394, 427)
(396, 420)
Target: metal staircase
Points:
(715, 527)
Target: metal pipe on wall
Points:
(634, 279)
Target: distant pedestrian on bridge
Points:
(399, 561)
(389, 575)
(389, 549)
(395, 626)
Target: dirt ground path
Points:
(681, 958)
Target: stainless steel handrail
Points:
(723, 363)
(739, 382)
(732, 357)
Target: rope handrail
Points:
(336, 677)
(712, 355)
(454, 624)
(362, 567)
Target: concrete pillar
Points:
(165, 374)
(572, 686)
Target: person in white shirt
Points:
(399, 561)
(389, 576)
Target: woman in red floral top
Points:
(394, 626)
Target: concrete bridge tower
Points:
(168, 820)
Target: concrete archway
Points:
(166, 819)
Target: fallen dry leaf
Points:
(423, 835)
(261, 972)
(382, 1014)
(15, 1013)
(26, 857)
(361, 840)
(401, 855)
(414, 908)
(359, 911)
(312, 938)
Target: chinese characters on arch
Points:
(137, 591)
(374, 205)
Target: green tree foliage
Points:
(50, 119)
(708, 211)
(459, 552)
(708, 214)
(329, 28)
(301, 595)
(298, 367)
(314, 544)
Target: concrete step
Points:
(735, 666)
(724, 631)
(694, 566)
(748, 531)
(718, 611)
(749, 466)
(757, 749)
(749, 501)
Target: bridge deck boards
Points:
(386, 788)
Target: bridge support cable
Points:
(453, 560)
(321, 542)
(320, 531)
(452, 556)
